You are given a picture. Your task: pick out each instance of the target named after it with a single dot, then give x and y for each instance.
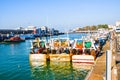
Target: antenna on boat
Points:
(31, 44)
(50, 41)
(68, 38)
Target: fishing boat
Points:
(60, 50)
(27, 36)
(37, 59)
(85, 51)
(89, 59)
(82, 66)
(59, 57)
(38, 51)
(14, 39)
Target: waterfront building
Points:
(42, 31)
(38, 31)
(54, 32)
(15, 31)
(28, 28)
(112, 26)
(118, 23)
(32, 29)
(76, 29)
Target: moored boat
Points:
(59, 57)
(84, 51)
(37, 57)
(89, 59)
(38, 51)
(14, 39)
(86, 66)
(60, 51)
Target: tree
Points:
(103, 26)
(93, 27)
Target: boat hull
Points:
(59, 57)
(37, 57)
(82, 66)
(7, 40)
(89, 59)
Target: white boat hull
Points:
(37, 57)
(83, 59)
(59, 57)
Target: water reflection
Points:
(57, 71)
(80, 70)
(61, 70)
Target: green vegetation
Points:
(103, 26)
(94, 27)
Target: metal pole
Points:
(111, 44)
(108, 64)
(110, 38)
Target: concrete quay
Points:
(99, 69)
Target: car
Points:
(117, 30)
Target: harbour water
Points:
(15, 64)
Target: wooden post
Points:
(108, 64)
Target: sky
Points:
(58, 14)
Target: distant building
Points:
(112, 26)
(38, 31)
(42, 31)
(118, 23)
(46, 31)
(13, 31)
(76, 29)
(28, 28)
(54, 32)
(20, 28)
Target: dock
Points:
(117, 58)
(117, 55)
(99, 69)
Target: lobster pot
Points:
(59, 57)
(83, 59)
(37, 57)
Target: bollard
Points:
(108, 64)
